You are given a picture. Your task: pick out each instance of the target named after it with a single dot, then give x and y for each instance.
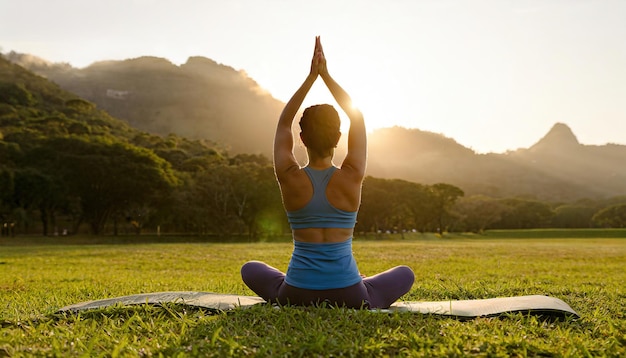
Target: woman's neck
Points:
(317, 162)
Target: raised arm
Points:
(356, 159)
(284, 158)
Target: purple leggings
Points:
(378, 291)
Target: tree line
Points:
(58, 174)
(394, 205)
(60, 183)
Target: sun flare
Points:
(368, 102)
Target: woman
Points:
(321, 201)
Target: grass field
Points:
(38, 276)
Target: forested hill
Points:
(200, 99)
(66, 162)
(32, 108)
(203, 99)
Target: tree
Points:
(404, 197)
(254, 191)
(478, 212)
(235, 198)
(421, 204)
(445, 196)
(80, 105)
(395, 204)
(524, 214)
(15, 94)
(377, 206)
(611, 217)
(105, 175)
(572, 216)
(7, 185)
(41, 191)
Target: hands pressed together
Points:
(318, 63)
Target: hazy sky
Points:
(493, 75)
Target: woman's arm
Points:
(356, 159)
(284, 158)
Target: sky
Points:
(494, 75)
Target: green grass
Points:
(557, 233)
(38, 277)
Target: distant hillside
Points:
(200, 99)
(33, 110)
(556, 168)
(203, 99)
(32, 106)
(599, 169)
(416, 155)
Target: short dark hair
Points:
(320, 128)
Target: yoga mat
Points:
(213, 301)
(535, 304)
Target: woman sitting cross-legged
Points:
(322, 201)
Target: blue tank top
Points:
(322, 266)
(318, 212)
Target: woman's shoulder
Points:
(350, 174)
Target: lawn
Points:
(38, 276)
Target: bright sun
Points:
(361, 99)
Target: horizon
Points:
(494, 77)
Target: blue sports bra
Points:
(319, 213)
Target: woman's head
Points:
(320, 131)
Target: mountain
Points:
(556, 168)
(31, 107)
(34, 112)
(595, 169)
(415, 155)
(559, 138)
(204, 99)
(200, 99)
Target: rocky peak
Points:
(559, 137)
